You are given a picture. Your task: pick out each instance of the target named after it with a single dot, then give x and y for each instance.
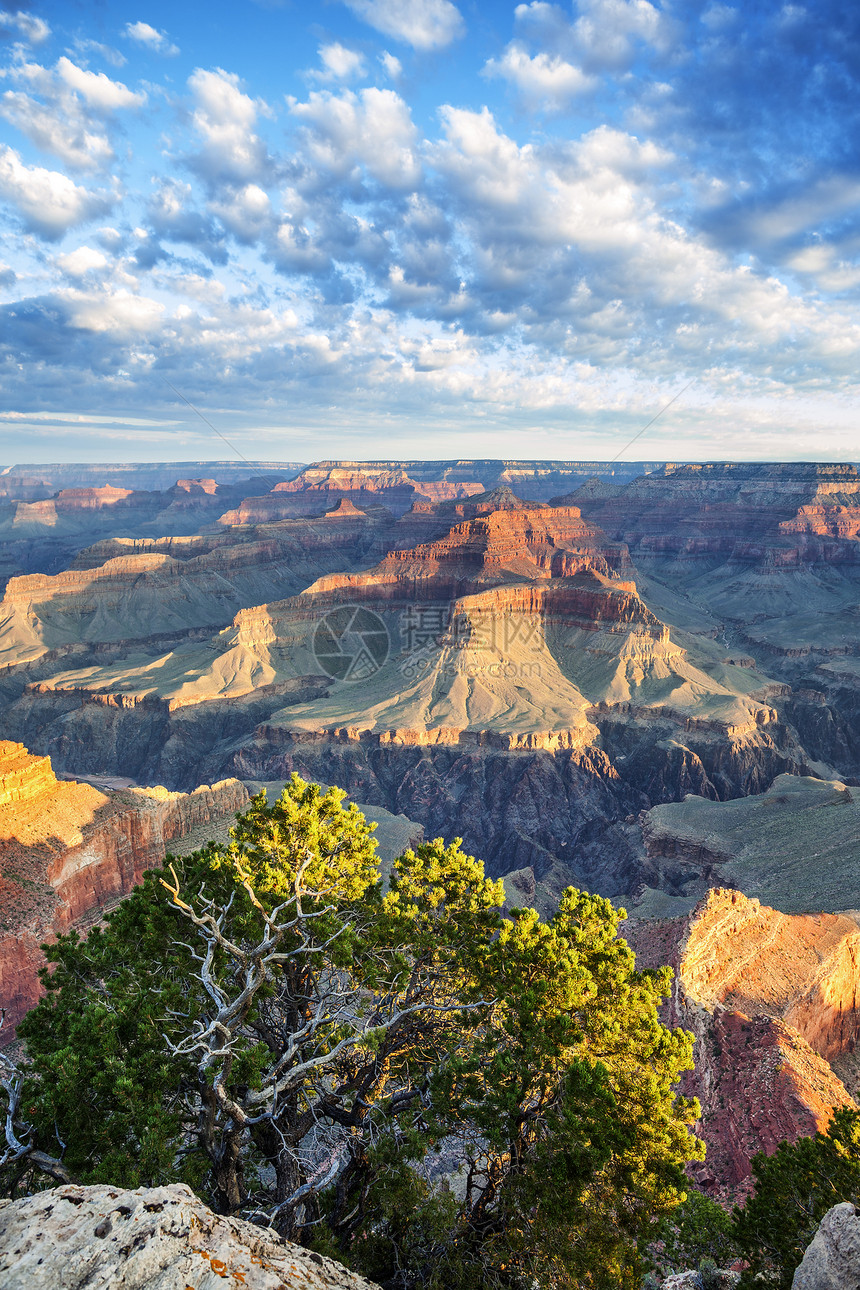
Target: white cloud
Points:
(372, 129)
(246, 212)
(604, 35)
(66, 120)
(339, 63)
(158, 41)
(66, 134)
(84, 260)
(424, 24)
(106, 52)
(97, 89)
(118, 312)
(48, 202)
(393, 66)
(545, 80)
(32, 29)
(225, 118)
(607, 30)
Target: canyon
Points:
(641, 679)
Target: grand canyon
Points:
(640, 680)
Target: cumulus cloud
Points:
(545, 80)
(80, 262)
(117, 312)
(173, 215)
(393, 66)
(35, 31)
(151, 38)
(246, 212)
(607, 31)
(225, 117)
(49, 203)
(339, 63)
(603, 37)
(70, 116)
(371, 130)
(97, 89)
(66, 135)
(423, 24)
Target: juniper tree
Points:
(264, 1021)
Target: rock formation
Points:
(158, 1238)
(795, 846)
(774, 1003)
(68, 851)
(512, 629)
(317, 486)
(126, 592)
(832, 1260)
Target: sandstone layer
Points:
(157, 1238)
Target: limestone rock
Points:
(159, 1238)
(832, 1261)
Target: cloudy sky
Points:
(419, 228)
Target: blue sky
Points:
(418, 228)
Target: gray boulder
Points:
(158, 1238)
(832, 1261)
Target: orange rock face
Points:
(773, 1001)
(67, 851)
(515, 546)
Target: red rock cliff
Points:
(68, 850)
(773, 1000)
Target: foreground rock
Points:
(832, 1261)
(159, 1238)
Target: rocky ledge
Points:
(159, 1238)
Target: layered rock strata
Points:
(68, 851)
(317, 486)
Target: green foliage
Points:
(709, 1275)
(698, 1230)
(795, 1187)
(439, 1095)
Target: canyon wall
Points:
(774, 1003)
(68, 851)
